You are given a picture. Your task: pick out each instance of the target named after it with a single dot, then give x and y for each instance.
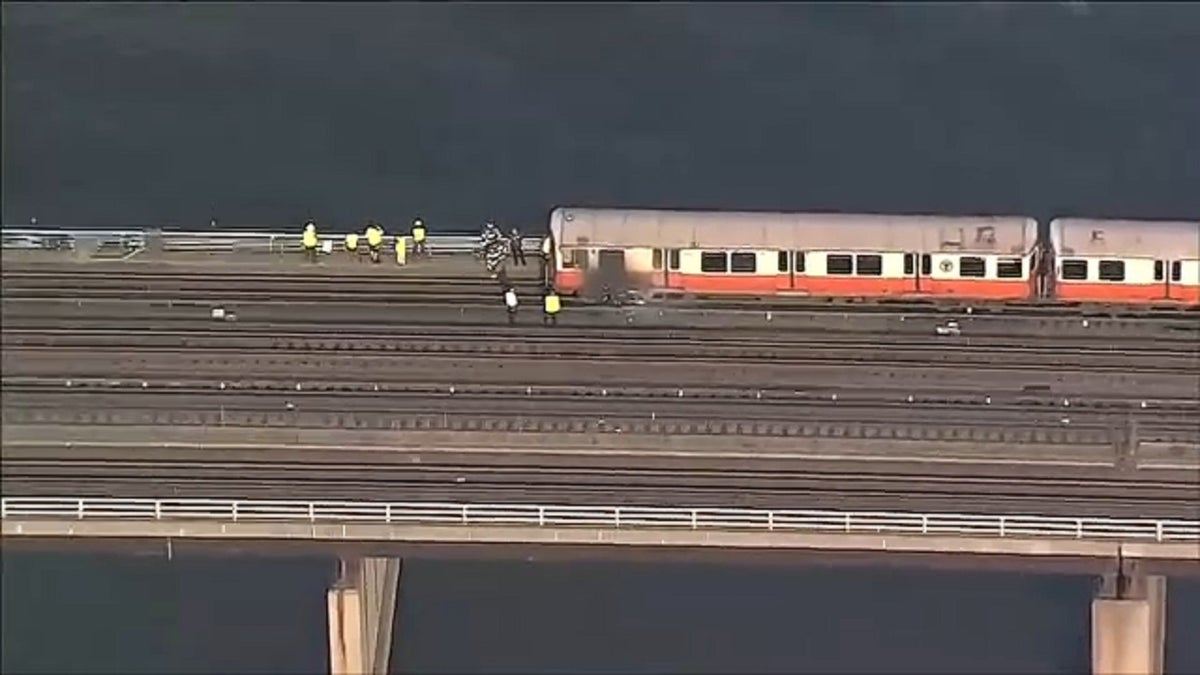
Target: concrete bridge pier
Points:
(1129, 618)
(362, 610)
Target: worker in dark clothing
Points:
(545, 258)
(518, 252)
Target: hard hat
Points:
(417, 222)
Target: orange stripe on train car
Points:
(1111, 292)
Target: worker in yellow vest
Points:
(552, 305)
(401, 249)
(310, 241)
(418, 235)
(351, 245)
(374, 240)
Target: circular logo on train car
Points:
(947, 266)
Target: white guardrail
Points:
(208, 241)
(624, 517)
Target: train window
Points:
(568, 258)
(582, 258)
(1158, 270)
(926, 264)
(656, 259)
(971, 266)
(799, 259)
(1112, 270)
(714, 261)
(839, 264)
(1010, 268)
(870, 265)
(1176, 271)
(673, 259)
(1075, 270)
(745, 263)
(909, 264)
(783, 261)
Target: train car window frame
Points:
(1112, 270)
(798, 261)
(1010, 268)
(910, 264)
(840, 264)
(972, 267)
(1070, 269)
(1160, 270)
(583, 258)
(568, 258)
(1176, 270)
(656, 259)
(926, 264)
(708, 260)
(673, 260)
(785, 261)
(868, 264)
(738, 262)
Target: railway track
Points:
(584, 410)
(121, 477)
(816, 375)
(386, 287)
(1178, 356)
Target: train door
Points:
(923, 270)
(660, 267)
(785, 278)
(611, 268)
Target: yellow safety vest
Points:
(310, 237)
(553, 304)
(418, 233)
(374, 237)
(352, 242)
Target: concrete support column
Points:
(1129, 626)
(362, 610)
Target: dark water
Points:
(106, 613)
(264, 112)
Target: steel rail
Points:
(444, 332)
(421, 309)
(1015, 426)
(262, 354)
(615, 517)
(526, 471)
(251, 393)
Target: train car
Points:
(1126, 261)
(797, 254)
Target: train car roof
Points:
(654, 228)
(1094, 237)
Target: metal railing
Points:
(622, 517)
(209, 241)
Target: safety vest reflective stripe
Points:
(552, 304)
